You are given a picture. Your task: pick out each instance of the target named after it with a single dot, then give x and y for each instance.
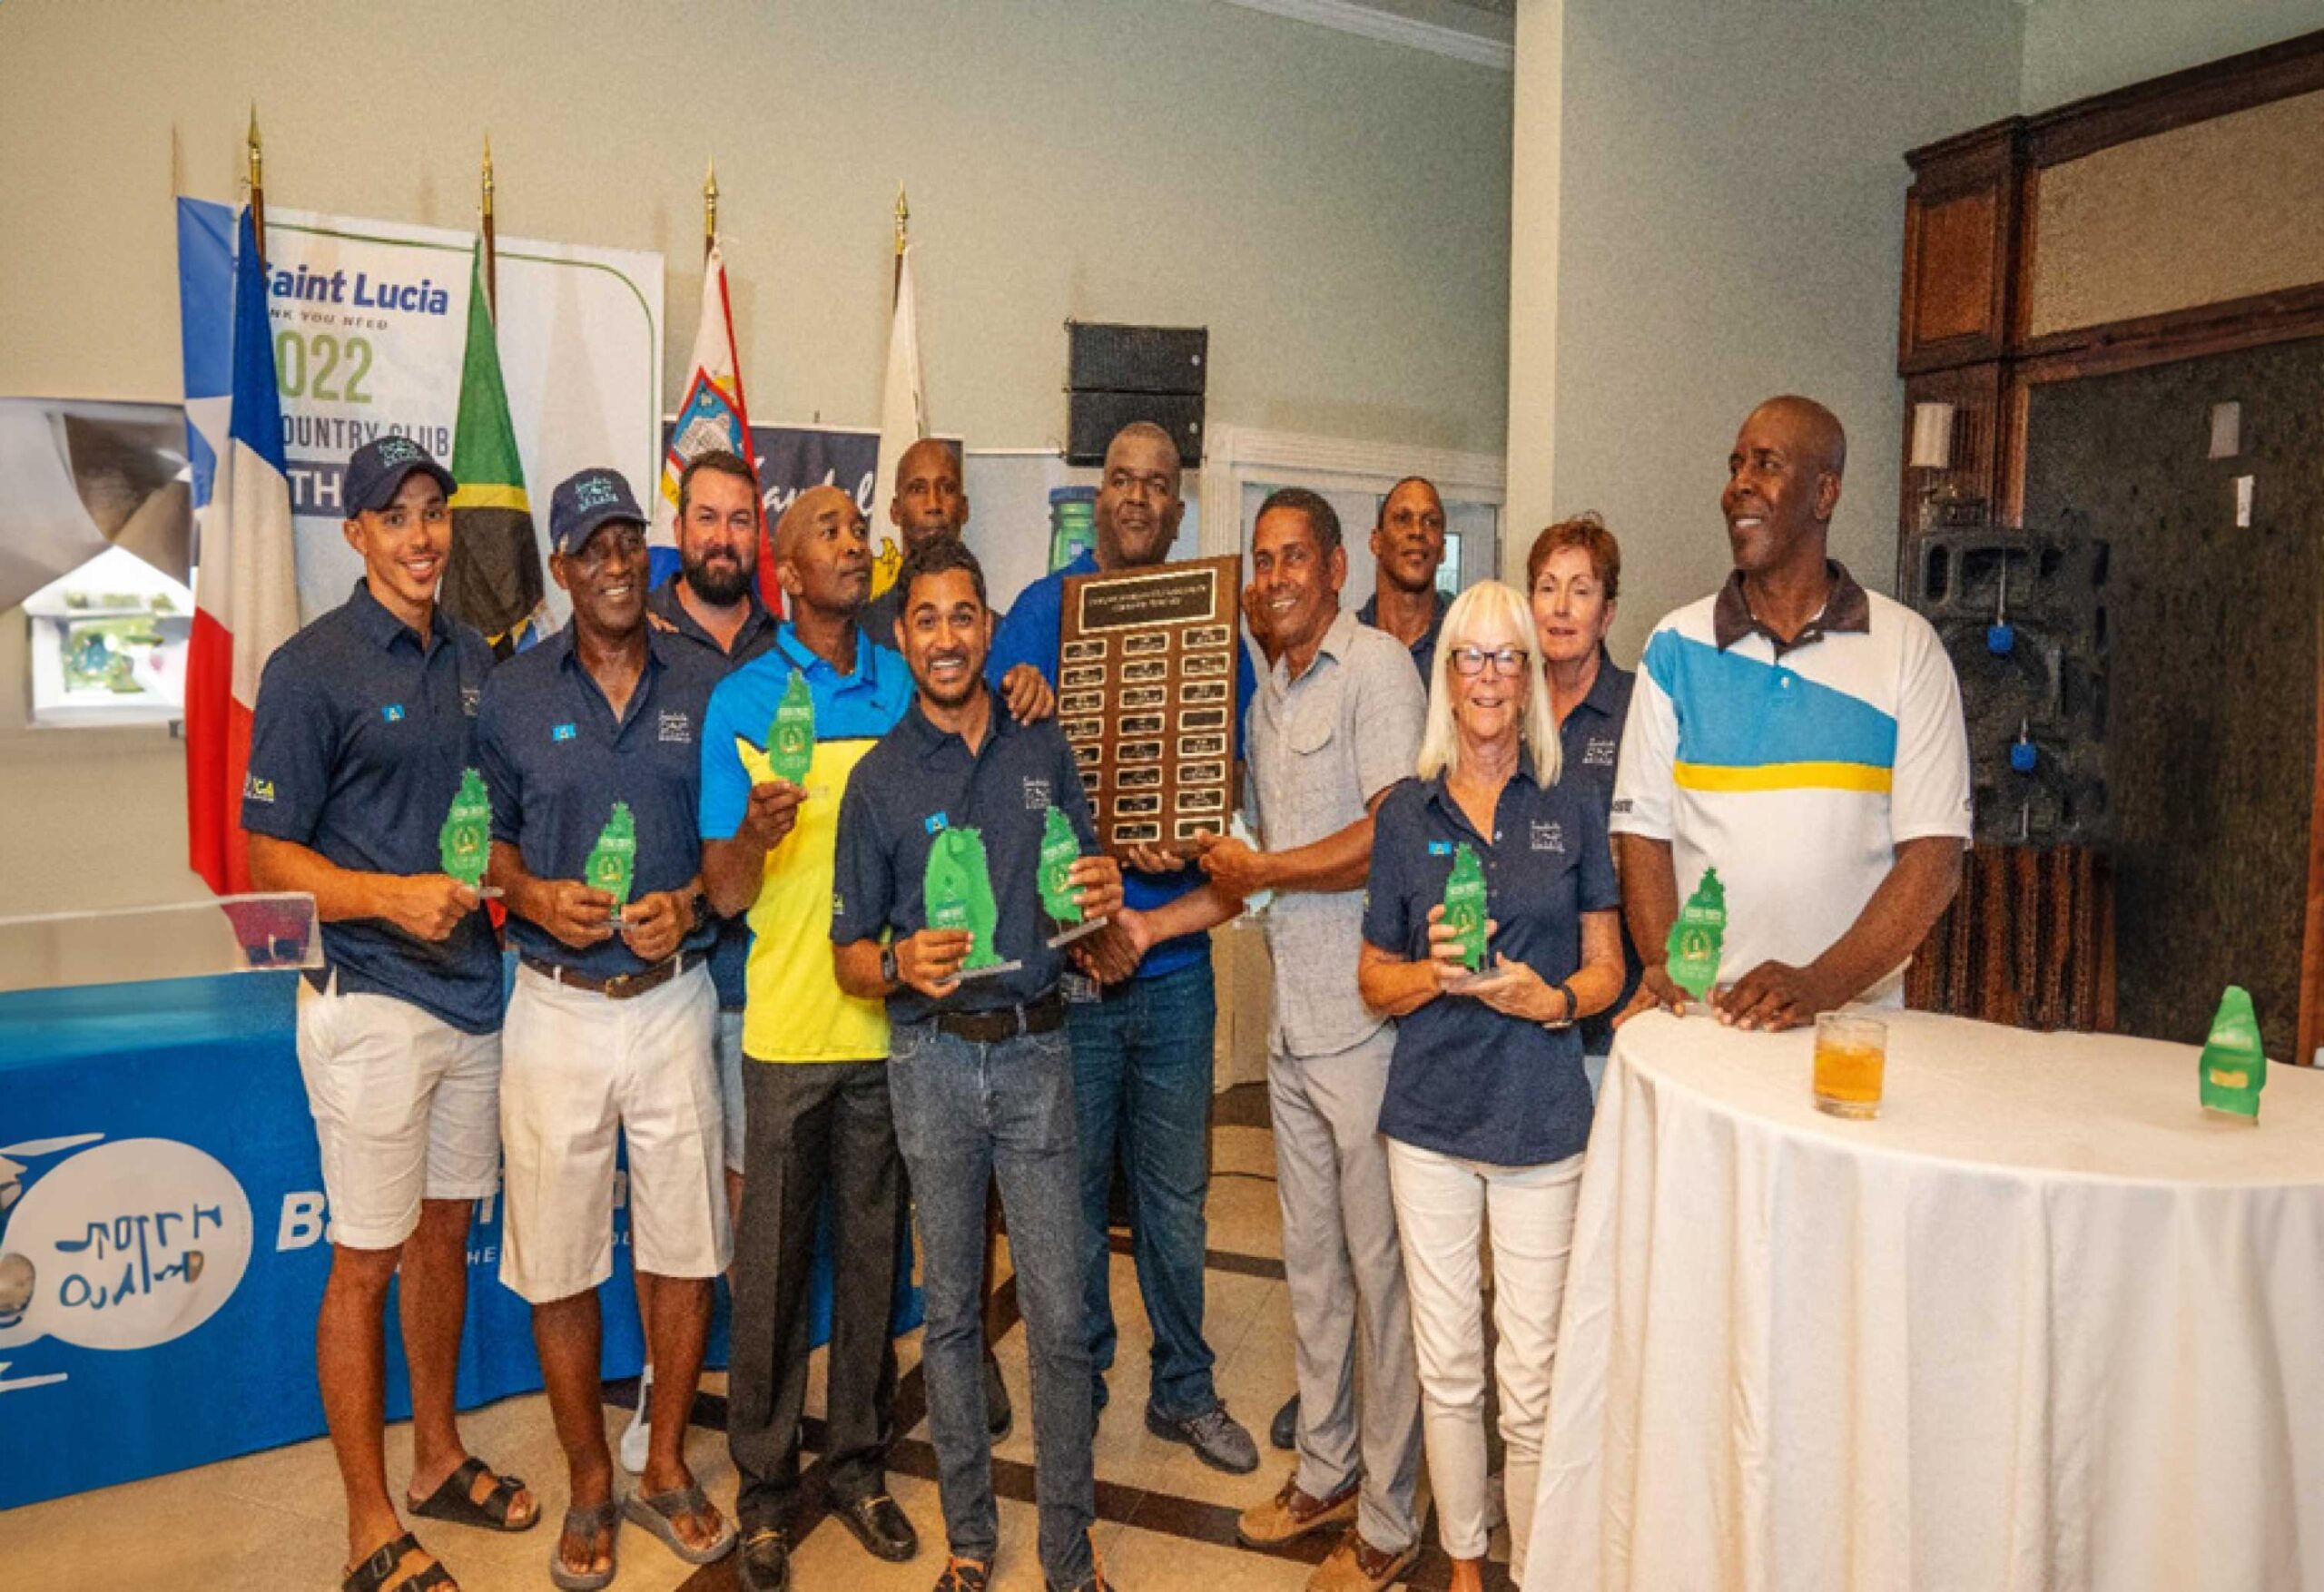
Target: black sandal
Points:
(455, 1501)
(378, 1572)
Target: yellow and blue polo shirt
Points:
(793, 1008)
(1795, 770)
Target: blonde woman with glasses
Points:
(1487, 1107)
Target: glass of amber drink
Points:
(1851, 1055)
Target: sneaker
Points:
(1214, 1435)
(964, 1574)
(1356, 1566)
(1283, 1431)
(638, 1435)
(1292, 1514)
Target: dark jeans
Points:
(968, 1114)
(1142, 1069)
(813, 1127)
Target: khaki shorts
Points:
(406, 1108)
(580, 1071)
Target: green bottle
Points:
(1465, 905)
(790, 738)
(466, 839)
(1061, 850)
(2234, 1068)
(1694, 942)
(957, 891)
(613, 861)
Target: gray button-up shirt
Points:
(1320, 747)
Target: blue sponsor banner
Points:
(162, 1249)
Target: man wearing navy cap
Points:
(362, 731)
(613, 1021)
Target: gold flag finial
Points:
(257, 152)
(903, 218)
(709, 206)
(488, 174)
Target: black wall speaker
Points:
(1116, 375)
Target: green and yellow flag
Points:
(494, 579)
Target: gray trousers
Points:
(1346, 1272)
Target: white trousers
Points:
(1443, 1206)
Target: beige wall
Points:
(1730, 200)
(2075, 48)
(1333, 209)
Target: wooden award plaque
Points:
(1146, 662)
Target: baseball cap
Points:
(586, 500)
(375, 472)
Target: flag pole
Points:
(903, 225)
(709, 208)
(258, 185)
(491, 259)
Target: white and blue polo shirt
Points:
(1795, 770)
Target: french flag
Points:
(245, 589)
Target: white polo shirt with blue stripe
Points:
(1794, 770)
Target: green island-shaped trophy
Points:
(465, 842)
(2234, 1068)
(613, 861)
(1061, 850)
(957, 891)
(790, 738)
(1694, 941)
(1466, 909)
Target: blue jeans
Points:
(1142, 1069)
(966, 1113)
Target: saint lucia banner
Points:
(713, 418)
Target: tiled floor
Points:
(272, 1522)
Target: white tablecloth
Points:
(2044, 1325)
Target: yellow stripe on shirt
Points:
(1785, 776)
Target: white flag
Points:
(903, 420)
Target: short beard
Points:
(717, 590)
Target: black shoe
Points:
(765, 1564)
(879, 1526)
(1216, 1438)
(1283, 1430)
(1000, 1419)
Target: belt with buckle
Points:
(621, 986)
(1009, 1022)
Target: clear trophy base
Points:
(991, 969)
(1081, 930)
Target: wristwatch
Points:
(698, 904)
(1571, 1006)
(888, 964)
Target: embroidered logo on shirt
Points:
(468, 695)
(1036, 795)
(678, 728)
(564, 732)
(1440, 848)
(1549, 837)
(392, 712)
(934, 821)
(257, 790)
(1600, 753)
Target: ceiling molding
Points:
(1347, 16)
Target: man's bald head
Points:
(1144, 434)
(811, 510)
(1816, 431)
(1139, 508)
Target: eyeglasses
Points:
(1507, 662)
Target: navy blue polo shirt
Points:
(1590, 744)
(1466, 1080)
(1030, 636)
(357, 749)
(1423, 651)
(557, 758)
(920, 778)
(731, 952)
